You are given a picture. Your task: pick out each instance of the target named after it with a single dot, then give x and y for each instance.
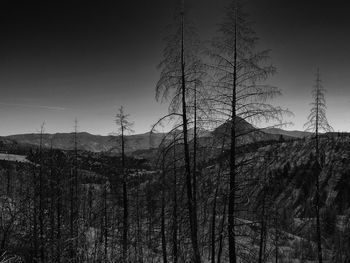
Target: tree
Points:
(41, 196)
(163, 234)
(124, 126)
(175, 205)
(317, 122)
(105, 221)
(74, 196)
(180, 67)
(238, 91)
(214, 210)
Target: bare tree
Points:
(41, 196)
(124, 127)
(179, 66)
(317, 122)
(175, 206)
(239, 92)
(163, 233)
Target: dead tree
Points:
(178, 69)
(214, 209)
(239, 93)
(105, 222)
(163, 234)
(41, 197)
(124, 126)
(316, 123)
(175, 205)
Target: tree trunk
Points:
(164, 251)
(262, 232)
(105, 223)
(221, 235)
(41, 197)
(35, 213)
(139, 226)
(318, 227)
(71, 218)
(190, 203)
(276, 237)
(125, 202)
(232, 191)
(175, 223)
(76, 191)
(194, 176)
(213, 225)
(58, 208)
(52, 205)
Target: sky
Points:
(61, 60)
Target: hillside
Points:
(279, 177)
(291, 175)
(277, 184)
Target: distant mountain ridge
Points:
(146, 141)
(90, 142)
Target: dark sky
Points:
(61, 60)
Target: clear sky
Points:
(61, 60)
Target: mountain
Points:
(247, 133)
(143, 142)
(95, 143)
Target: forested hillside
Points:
(59, 208)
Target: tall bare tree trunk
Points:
(58, 211)
(318, 225)
(35, 213)
(175, 223)
(213, 223)
(71, 217)
(41, 197)
(105, 223)
(232, 191)
(191, 206)
(139, 243)
(221, 234)
(214, 212)
(164, 250)
(125, 201)
(76, 190)
(52, 205)
(213, 226)
(276, 236)
(262, 231)
(194, 179)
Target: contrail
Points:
(33, 106)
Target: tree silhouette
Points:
(180, 68)
(124, 127)
(316, 123)
(238, 92)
